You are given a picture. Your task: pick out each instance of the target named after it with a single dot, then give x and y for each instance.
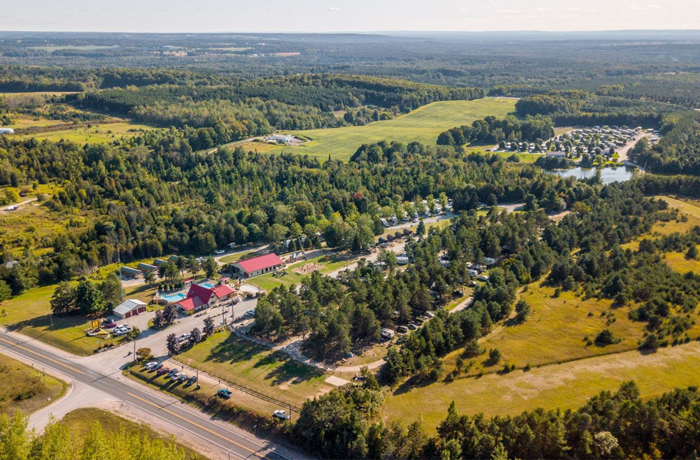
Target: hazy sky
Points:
(345, 15)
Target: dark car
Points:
(109, 324)
(224, 393)
(163, 370)
(191, 380)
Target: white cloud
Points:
(333, 9)
(508, 11)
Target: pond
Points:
(607, 175)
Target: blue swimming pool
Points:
(170, 298)
(207, 285)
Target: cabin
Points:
(146, 267)
(159, 262)
(129, 273)
(258, 265)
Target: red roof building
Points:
(258, 265)
(201, 297)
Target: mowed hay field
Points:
(22, 387)
(422, 125)
(565, 386)
(95, 134)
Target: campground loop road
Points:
(215, 433)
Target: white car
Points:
(220, 251)
(281, 414)
(151, 364)
(483, 278)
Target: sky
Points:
(346, 15)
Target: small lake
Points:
(608, 175)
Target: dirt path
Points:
(20, 204)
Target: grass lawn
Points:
(565, 386)
(97, 134)
(678, 262)
(423, 125)
(690, 210)
(29, 313)
(254, 366)
(269, 281)
(22, 387)
(524, 157)
(80, 422)
(231, 258)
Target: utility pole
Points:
(43, 370)
(134, 351)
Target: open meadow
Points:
(422, 125)
(97, 133)
(23, 387)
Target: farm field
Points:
(80, 421)
(422, 125)
(239, 361)
(22, 387)
(565, 386)
(97, 133)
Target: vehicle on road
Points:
(224, 393)
(281, 414)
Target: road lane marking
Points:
(43, 356)
(196, 424)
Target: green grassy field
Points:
(565, 386)
(239, 361)
(22, 387)
(29, 313)
(97, 133)
(268, 282)
(80, 422)
(423, 125)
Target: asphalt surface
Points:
(182, 417)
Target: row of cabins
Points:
(132, 273)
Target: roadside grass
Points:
(22, 387)
(565, 386)
(80, 421)
(257, 147)
(239, 361)
(422, 125)
(30, 314)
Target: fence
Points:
(242, 387)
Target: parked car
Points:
(163, 370)
(281, 414)
(109, 324)
(183, 377)
(191, 380)
(150, 365)
(172, 372)
(458, 293)
(483, 278)
(220, 251)
(429, 314)
(412, 326)
(250, 313)
(224, 393)
(157, 366)
(402, 329)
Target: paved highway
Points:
(222, 438)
